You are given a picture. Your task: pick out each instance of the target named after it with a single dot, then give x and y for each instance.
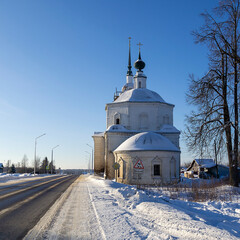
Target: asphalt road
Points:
(23, 204)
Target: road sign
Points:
(138, 165)
(116, 166)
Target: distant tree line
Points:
(41, 167)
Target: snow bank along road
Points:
(93, 208)
(23, 203)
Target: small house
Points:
(1, 168)
(207, 168)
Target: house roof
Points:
(205, 163)
(147, 141)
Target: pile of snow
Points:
(10, 177)
(94, 208)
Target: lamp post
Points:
(35, 151)
(89, 159)
(92, 156)
(52, 159)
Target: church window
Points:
(166, 119)
(140, 84)
(122, 169)
(173, 168)
(143, 121)
(117, 118)
(156, 169)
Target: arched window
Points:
(173, 173)
(122, 168)
(156, 167)
(117, 118)
(166, 119)
(143, 121)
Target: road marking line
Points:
(39, 229)
(25, 189)
(96, 214)
(17, 205)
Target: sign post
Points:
(116, 166)
(138, 167)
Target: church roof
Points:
(139, 95)
(147, 141)
(117, 128)
(166, 128)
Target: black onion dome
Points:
(139, 64)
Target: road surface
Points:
(23, 204)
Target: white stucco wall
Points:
(112, 141)
(169, 167)
(139, 115)
(99, 148)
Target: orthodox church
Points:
(140, 144)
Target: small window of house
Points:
(156, 169)
(117, 121)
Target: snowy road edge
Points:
(96, 214)
(47, 218)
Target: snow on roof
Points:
(147, 141)
(117, 128)
(169, 129)
(205, 163)
(139, 95)
(98, 134)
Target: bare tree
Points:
(37, 164)
(24, 163)
(8, 164)
(216, 94)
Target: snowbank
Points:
(94, 208)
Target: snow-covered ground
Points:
(93, 208)
(9, 178)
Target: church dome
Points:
(147, 141)
(139, 64)
(139, 95)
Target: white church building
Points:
(140, 144)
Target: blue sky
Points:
(61, 60)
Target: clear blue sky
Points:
(60, 61)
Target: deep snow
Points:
(94, 208)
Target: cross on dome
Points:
(139, 64)
(140, 44)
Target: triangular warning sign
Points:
(138, 165)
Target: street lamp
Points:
(35, 151)
(89, 159)
(52, 159)
(92, 156)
